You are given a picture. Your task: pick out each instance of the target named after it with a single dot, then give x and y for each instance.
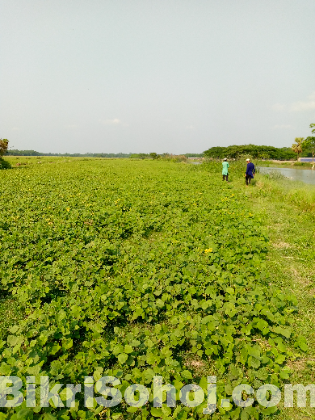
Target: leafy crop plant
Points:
(135, 270)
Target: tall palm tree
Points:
(297, 146)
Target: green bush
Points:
(4, 164)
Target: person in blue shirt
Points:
(225, 170)
(250, 171)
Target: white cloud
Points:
(298, 106)
(114, 121)
(282, 126)
(71, 126)
(15, 129)
(190, 127)
(304, 105)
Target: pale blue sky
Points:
(155, 75)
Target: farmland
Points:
(135, 269)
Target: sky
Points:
(164, 76)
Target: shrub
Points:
(4, 164)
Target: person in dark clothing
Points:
(250, 171)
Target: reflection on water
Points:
(304, 175)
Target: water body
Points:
(308, 159)
(304, 175)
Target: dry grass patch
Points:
(298, 365)
(281, 245)
(198, 366)
(260, 184)
(302, 280)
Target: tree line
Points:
(16, 152)
(302, 146)
(256, 152)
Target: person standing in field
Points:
(250, 171)
(225, 170)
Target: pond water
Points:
(304, 175)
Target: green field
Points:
(135, 269)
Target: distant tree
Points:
(154, 155)
(255, 151)
(297, 146)
(216, 152)
(309, 142)
(139, 155)
(4, 143)
(194, 154)
(15, 152)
